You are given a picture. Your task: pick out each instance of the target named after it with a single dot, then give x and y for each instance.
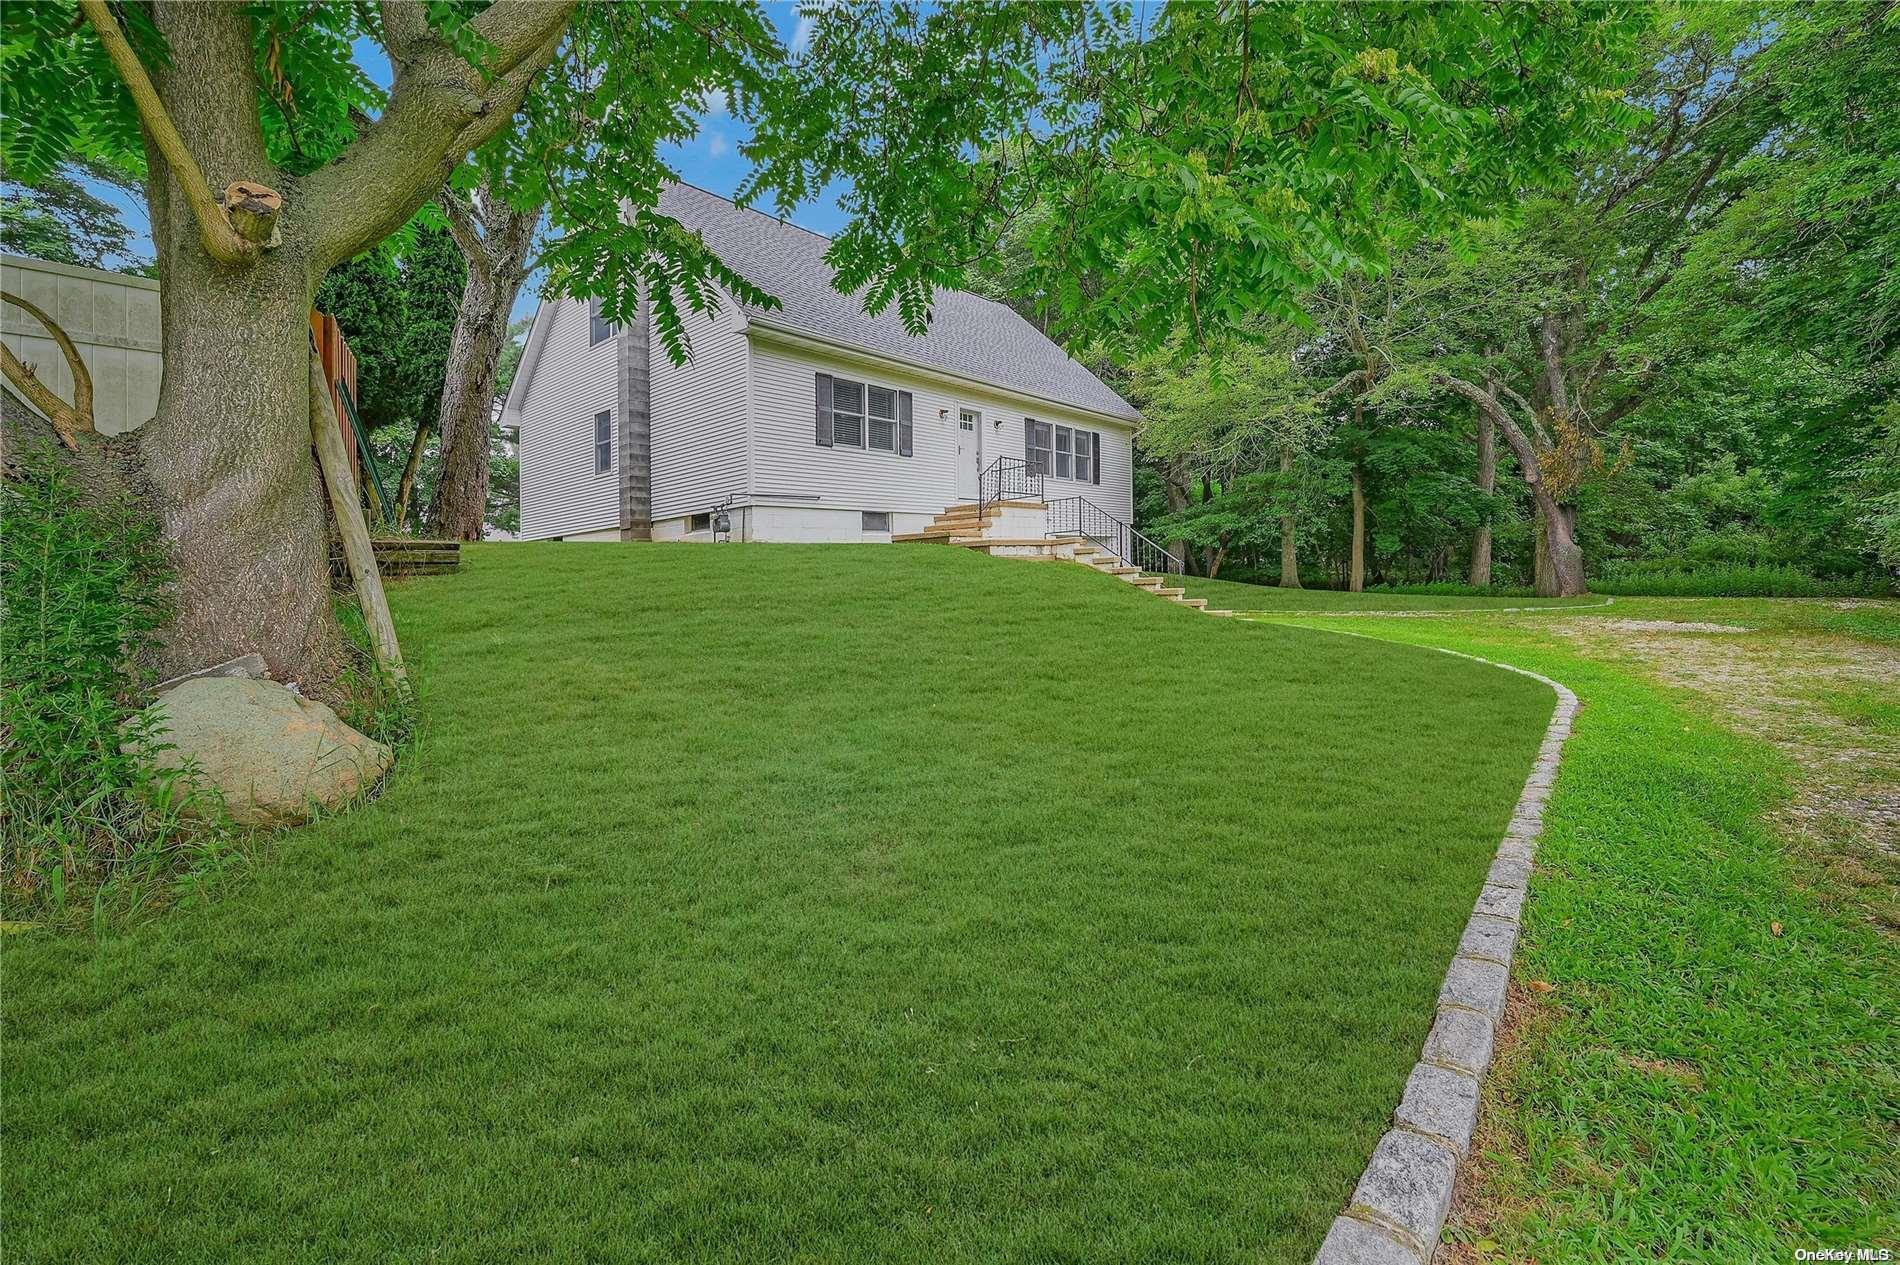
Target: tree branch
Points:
(461, 218)
(222, 242)
(1501, 417)
(440, 109)
(68, 419)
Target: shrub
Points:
(1451, 588)
(1737, 581)
(82, 585)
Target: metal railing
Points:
(1007, 479)
(1078, 516)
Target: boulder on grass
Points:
(277, 757)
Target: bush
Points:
(1450, 588)
(81, 587)
(1737, 581)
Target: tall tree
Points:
(495, 238)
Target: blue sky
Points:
(710, 160)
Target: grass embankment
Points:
(793, 902)
(1703, 1066)
(1233, 595)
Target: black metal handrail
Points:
(1079, 516)
(1007, 479)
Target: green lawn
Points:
(1261, 597)
(1712, 1073)
(776, 902)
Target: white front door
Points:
(969, 453)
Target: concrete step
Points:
(1167, 592)
(1198, 603)
(1222, 614)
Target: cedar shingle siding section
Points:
(970, 336)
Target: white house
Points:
(810, 422)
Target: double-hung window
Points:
(1039, 446)
(862, 415)
(599, 328)
(1064, 452)
(603, 442)
(881, 429)
(847, 413)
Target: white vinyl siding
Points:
(790, 469)
(575, 379)
(699, 434)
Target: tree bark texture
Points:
(406, 489)
(1289, 553)
(1487, 483)
(494, 239)
(227, 459)
(1356, 580)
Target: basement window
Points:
(699, 522)
(879, 520)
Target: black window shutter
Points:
(903, 424)
(1029, 444)
(1097, 468)
(824, 410)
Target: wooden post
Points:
(334, 459)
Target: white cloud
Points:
(714, 103)
(717, 145)
(801, 38)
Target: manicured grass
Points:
(1261, 597)
(1711, 1074)
(776, 902)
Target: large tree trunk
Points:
(1487, 483)
(227, 457)
(494, 239)
(1289, 553)
(1356, 579)
(1549, 579)
(1564, 576)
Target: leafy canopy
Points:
(1210, 164)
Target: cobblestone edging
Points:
(1400, 1204)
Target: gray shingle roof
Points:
(970, 336)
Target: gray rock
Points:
(1440, 1102)
(1476, 985)
(1488, 937)
(1501, 902)
(1352, 1242)
(274, 757)
(1408, 1184)
(1460, 1038)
